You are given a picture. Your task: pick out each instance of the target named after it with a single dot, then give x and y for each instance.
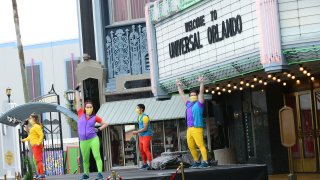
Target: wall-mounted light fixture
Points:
(256, 112)
(236, 115)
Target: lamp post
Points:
(8, 92)
(70, 98)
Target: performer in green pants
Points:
(88, 135)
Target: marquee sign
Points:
(218, 39)
(210, 33)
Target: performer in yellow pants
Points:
(194, 113)
(194, 139)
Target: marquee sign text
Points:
(229, 28)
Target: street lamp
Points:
(8, 92)
(70, 97)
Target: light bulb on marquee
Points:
(255, 79)
(269, 76)
(229, 91)
(241, 82)
(301, 68)
(293, 77)
(252, 85)
(260, 81)
(312, 78)
(279, 80)
(308, 74)
(224, 89)
(217, 88)
(240, 88)
(289, 75)
(229, 85)
(305, 71)
(274, 78)
(265, 83)
(212, 92)
(207, 90)
(219, 93)
(298, 81)
(284, 83)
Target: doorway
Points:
(305, 152)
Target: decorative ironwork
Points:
(299, 55)
(126, 50)
(54, 162)
(217, 73)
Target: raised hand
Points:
(178, 83)
(201, 79)
(78, 87)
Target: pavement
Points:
(300, 176)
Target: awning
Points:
(123, 112)
(19, 114)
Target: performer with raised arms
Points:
(194, 117)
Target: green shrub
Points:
(29, 174)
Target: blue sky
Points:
(40, 21)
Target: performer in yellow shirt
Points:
(36, 137)
(145, 136)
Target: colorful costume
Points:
(145, 138)
(36, 137)
(195, 125)
(89, 140)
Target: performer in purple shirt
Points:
(194, 113)
(88, 135)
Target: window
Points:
(117, 151)
(137, 83)
(33, 81)
(171, 136)
(130, 146)
(70, 71)
(125, 10)
(157, 138)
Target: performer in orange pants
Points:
(145, 136)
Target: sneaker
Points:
(204, 165)
(42, 176)
(84, 176)
(143, 166)
(195, 165)
(35, 176)
(147, 167)
(99, 176)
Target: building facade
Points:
(257, 57)
(118, 78)
(46, 64)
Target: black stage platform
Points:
(221, 172)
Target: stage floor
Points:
(230, 172)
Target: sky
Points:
(40, 21)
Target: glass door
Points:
(304, 151)
(306, 129)
(317, 114)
